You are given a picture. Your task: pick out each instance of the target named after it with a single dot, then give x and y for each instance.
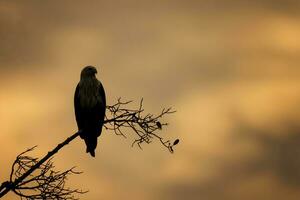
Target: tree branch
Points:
(13, 184)
(145, 127)
(49, 184)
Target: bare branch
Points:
(145, 126)
(31, 178)
(45, 183)
(24, 166)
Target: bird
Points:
(90, 106)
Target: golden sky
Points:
(230, 69)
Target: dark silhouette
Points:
(33, 178)
(90, 104)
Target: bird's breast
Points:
(89, 95)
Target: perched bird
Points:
(90, 104)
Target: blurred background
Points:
(230, 69)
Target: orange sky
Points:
(229, 68)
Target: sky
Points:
(230, 69)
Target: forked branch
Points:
(32, 178)
(145, 126)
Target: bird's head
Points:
(88, 72)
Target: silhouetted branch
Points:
(145, 126)
(46, 183)
(24, 166)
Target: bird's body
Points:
(90, 104)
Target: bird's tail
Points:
(92, 152)
(91, 144)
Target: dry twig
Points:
(144, 126)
